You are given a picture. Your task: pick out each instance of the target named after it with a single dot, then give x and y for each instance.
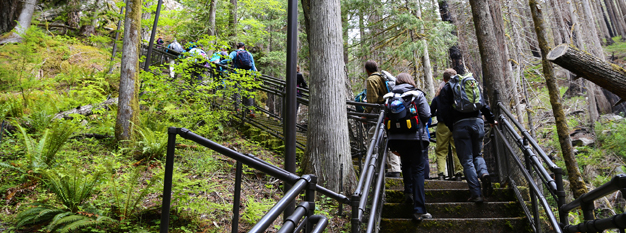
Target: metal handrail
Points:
(585, 201)
(534, 189)
(599, 225)
(249, 160)
(533, 161)
(373, 160)
(281, 205)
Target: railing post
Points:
(560, 193)
(310, 197)
(587, 207)
(356, 222)
(237, 198)
(148, 61)
(167, 180)
(340, 212)
(533, 197)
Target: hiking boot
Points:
(458, 176)
(476, 199)
(487, 189)
(440, 176)
(418, 217)
(392, 174)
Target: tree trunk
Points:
(328, 143)
(604, 74)
(615, 19)
(507, 70)
(560, 31)
(456, 56)
(73, 13)
(429, 87)
(8, 14)
(530, 34)
(145, 31)
(212, 10)
(490, 55)
(232, 22)
(128, 106)
(599, 19)
(577, 184)
(23, 22)
(609, 26)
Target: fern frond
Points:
(55, 221)
(9, 166)
(62, 222)
(78, 224)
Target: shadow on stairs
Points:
(447, 202)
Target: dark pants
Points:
(414, 157)
(468, 137)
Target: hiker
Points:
(199, 62)
(445, 142)
(409, 140)
(467, 132)
(301, 84)
(218, 72)
(376, 89)
(160, 42)
(176, 49)
(242, 59)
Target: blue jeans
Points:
(414, 157)
(468, 137)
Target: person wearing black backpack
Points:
(242, 59)
(468, 132)
(406, 114)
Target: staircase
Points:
(447, 202)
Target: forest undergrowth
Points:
(66, 173)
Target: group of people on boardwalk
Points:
(407, 114)
(240, 59)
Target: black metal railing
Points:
(586, 202)
(521, 162)
(371, 182)
(307, 183)
(275, 87)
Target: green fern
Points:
(41, 154)
(128, 199)
(72, 191)
(153, 142)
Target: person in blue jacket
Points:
(242, 59)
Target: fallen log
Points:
(85, 110)
(609, 76)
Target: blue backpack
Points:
(361, 99)
(243, 60)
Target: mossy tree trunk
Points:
(23, 22)
(577, 184)
(232, 20)
(9, 11)
(328, 143)
(128, 105)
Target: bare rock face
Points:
(582, 137)
(87, 30)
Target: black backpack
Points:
(401, 112)
(243, 59)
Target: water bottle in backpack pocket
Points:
(401, 112)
